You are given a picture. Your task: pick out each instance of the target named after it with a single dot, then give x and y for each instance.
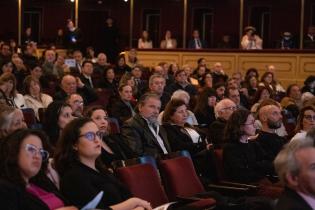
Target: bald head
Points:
(270, 117)
(69, 84)
(102, 59)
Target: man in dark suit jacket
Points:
(142, 132)
(86, 74)
(295, 167)
(196, 42)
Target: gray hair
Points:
(154, 76)
(179, 94)
(286, 161)
(220, 105)
(6, 118)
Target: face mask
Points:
(274, 124)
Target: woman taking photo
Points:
(112, 146)
(83, 176)
(24, 185)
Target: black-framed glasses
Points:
(33, 150)
(309, 117)
(91, 136)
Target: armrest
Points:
(222, 187)
(241, 185)
(188, 199)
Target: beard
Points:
(274, 124)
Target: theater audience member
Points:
(5, 53)
(8, 92)
(196, 42)
(70, 85)
(309, 85)
(181, 83)
(141, 84)
(183, 136)
(142, 132)
(110, 41)
(121, 67)
(83, 175)
(108, 80)
(251, 84)
(28, 37)
(172, 69)
(204, 109)
(234, 94)
(184, 96)
(218, 73)
(262, 94)
(132, 60)
(222, 110)
(156, 86)
(57, 115)
(34, 98)
(78, 57)
(251, 41)
(24, 184)
(128, 79)
(309, 39)
(144, 41)
(187, 68)
(219, 90)
(199, 72)
(306, 98)
(162, 69)
(243, 158)
(28, 56)
(287, 41)
(268, 80)
(60, 68)
(101, 64)
(73, 36)
(293, 97)
(225, 43)
(206, 81)
(168, 42)
(113, 147)
(122, 107)
(11, 119)
(252, 72)
(48, 64)
(60, 38)
(86, 74)
(90, 54)
(294, 166)
(7, 67)
(305, 122)
(76, 103)
(271, 119)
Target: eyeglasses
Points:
(231, 108)
(79, 103)
(91, 136)
(309, 117)
(33, 150)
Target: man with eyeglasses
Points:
(142, 132)
(271, 119)
(223, 110)
(76, 103)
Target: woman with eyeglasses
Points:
(23, 183)
(78, 162)
(113, 148)
(183, 136)
(243, 158)
(57, 115)
(305, 122)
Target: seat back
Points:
(114, 125)
(219, 163)
(180, 178)
(148, 159)
(143, 181)
(30, 118)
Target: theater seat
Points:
(143, 181)
(30, 118)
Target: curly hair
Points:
(299, 123)
(65, 155)
(9, 155)
(233, 129)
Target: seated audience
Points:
(222, 110)
(196, 42)
(101, 63)
(156, 86)
(86, 74)
(271, 119)
(309, 38)
(225, 43)
(262, 94)
(184, 96)
(243, 158)
(57, 115)
(287, 41)
(305, 122)
(113, 148)
(133, 60)
(204, 109)
(121, 67)
(8, 92)
(293, 97)
(76, 103)
(24, 184)
(83, 175)
(70, 85)
(218, 74)
(183, 136)
(168, 42)
(309, 85)
(268, 80)
(34, 98)
(142, 132)
(122, 107)
(109, 81)
(293, 165)
(220, 90)
(251, 40)
(181, 83)
(144, 41)
(11, 119)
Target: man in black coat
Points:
(142, 132)
(295, 167)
